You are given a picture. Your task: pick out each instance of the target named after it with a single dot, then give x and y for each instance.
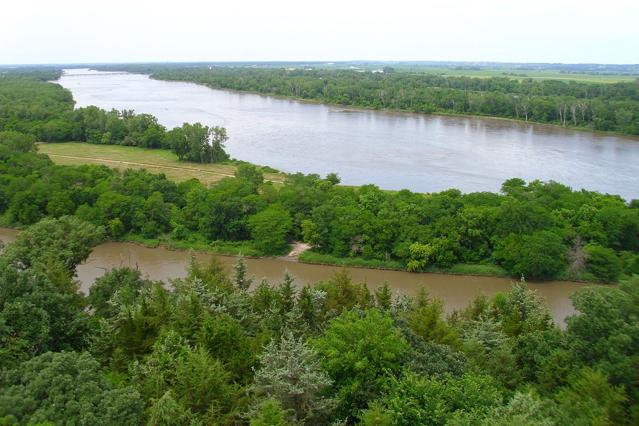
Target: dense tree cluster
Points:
(536, 230)
(45, 111)
(600, 106)
(215, 348)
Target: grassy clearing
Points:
(310, 256)
(535, 75)
(128, 157)
(230, 248)
(475, 269)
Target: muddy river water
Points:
(456, 291)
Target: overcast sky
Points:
(70, 31)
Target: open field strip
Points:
(519, 74)
(154, 160)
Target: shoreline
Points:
(351, 108)
(287, 258)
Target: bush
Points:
(602, 262)
(540, 255)
(67, 388)
(269, 229)
(17, 141)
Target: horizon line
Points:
(315, 61)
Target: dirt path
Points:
(297, 248)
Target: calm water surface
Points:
(455, 291)
(392, 150)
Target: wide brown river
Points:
(423, 153)
(456, 291)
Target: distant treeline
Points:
(418, 66)
(30, 105)
(597, 106)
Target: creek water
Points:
(423, 153)
(455, 291)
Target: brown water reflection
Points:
(456, 291)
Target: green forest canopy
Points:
(218, 349)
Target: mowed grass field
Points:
(152, 160)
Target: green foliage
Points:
(310, 256)
(212, 275)
(270, 228)
(604, 333)
(36, 315)
(250, 173)
(196, 354)
(523, 409)
(497, 336)
(199, 382)
(488, 349)
(291, 374)
(60, 204)
(425, 320)
(136, 322)
(360, 353)
(67, 241)
(429, 359)
(536, 256)
(341, 293)
(602, 262)
(16, 141)
(198, 143)
(116, 287)
(383, 297)
(240, 280)
(375, 415)
(590, 399)
(30, 109)
(521, 311)
(439, 252)
(225, 339)
(528, 230)
(420, 256)
(414, 400)
(542, 358)
(166, 411)
(270, 413)
(66, 388)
